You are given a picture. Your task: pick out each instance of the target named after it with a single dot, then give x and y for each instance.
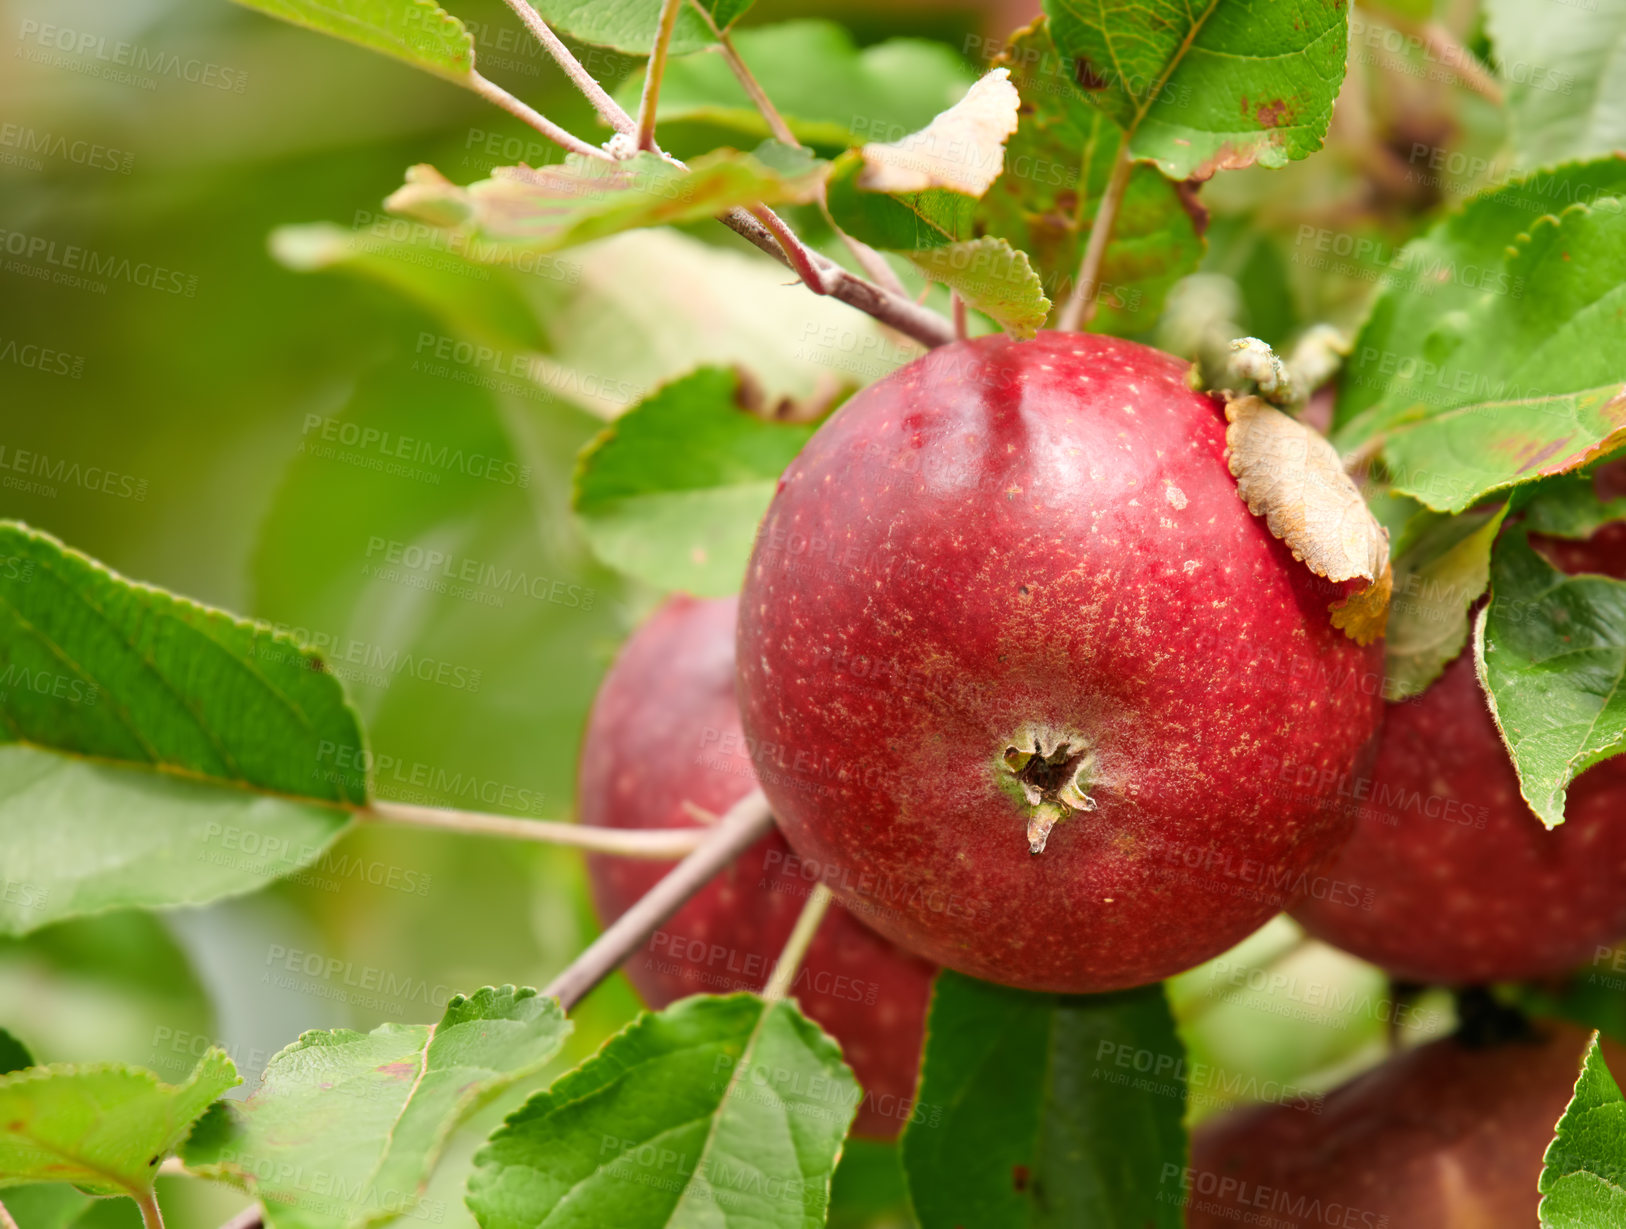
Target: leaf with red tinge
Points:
(346, 1127)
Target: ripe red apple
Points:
(1444, 1136)
(664, 741)
(1023, 674)
(1466, 884)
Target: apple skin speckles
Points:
(889, 657)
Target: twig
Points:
(492, 92)
(1080, 307)
(609, 110)
(748, 82)
(151, 1217)
(958, 306)
(797, 254)
(625, 842)
(896, 311)
(746, 822)
(795, 950)
(1450, 52)
(653, 73)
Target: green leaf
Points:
(1210, 87)
(716, 1111)
(417, 31)
(1059, 1111)
(962, 150)
(1551, 654)
(629, 25)
(829, 92)
(1056, 171)
(1431, 282)
(1583, 1176)
(897, 221)
(992, 277)
(104, 1127)
(1526, 383)
(1438, 576)
(1568, 506)
(14, 1055)
(198, 754)
(346, 1127)
(1561, 70)
(555, 207)
(673, 491)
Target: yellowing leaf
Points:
(962, 150)
(1290, 475)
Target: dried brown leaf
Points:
(1289, 474)
(962, 150)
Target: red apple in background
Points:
(1445, 1136)
(1011, 588)
(1466, 885)
(664, 740)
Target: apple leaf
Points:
(1292, 476)
(1526, 383)
(345, 1127)
(1561, 70)
(629, 25)
(962, 150)
(554, 207)
(1551, 654)
(993, 278)
(14, 1055)
(1569, 506)
(1056, 170)
(1055, 1110)
(198, 755)
(717, 1111)
(104, 1127)
(673, 491)
(417, 31)
(620, 317)
(1208, 87)
(1583, 1176)
(1438, 276)
(829, 92)
(1438, 575)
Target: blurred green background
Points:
(223, 408)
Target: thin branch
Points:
(492, 92)
(1080, 307)
(958, 306)
(151, 1217)
(796, 253)
(795, 950)
(746, 822)
(896, 311)
(1445, 46)
(748, 82)
(653, 73)
(869, 260)
(608, 108)
(625, 842)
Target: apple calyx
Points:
(1052, 770)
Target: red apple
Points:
(1025, 678)
(1442, 1136)
(663, 743)
(1466, 885)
